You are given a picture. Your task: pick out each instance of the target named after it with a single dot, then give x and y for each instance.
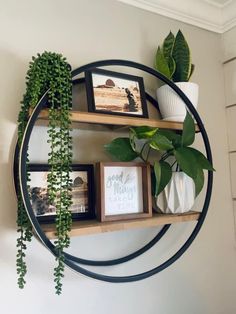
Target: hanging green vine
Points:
(49, 71)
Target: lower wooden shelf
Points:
(94, 226)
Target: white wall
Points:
(229, 65)
(204, 279)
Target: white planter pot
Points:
(178, 196)
(172, 107)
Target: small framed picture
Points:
(82, 193)
(123, 191)
(115, 93)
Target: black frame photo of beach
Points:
(115, 93)
(82, 207)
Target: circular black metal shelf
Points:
(73, 261)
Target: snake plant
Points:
(173, 58)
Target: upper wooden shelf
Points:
(115, 120)
(93, 226)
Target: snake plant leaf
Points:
(168, 45)
(187, 161)
(172, 66)
(163, 173)
(160, 142)
(201, 159)
(161, 64)
(199, 181)
(188, 135)
(121, 149)
(191, 71)
(144, 132)
(182, 57)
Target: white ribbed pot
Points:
(172, 107)
(178, 196)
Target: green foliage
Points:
(121, 149)
(144, 132)
(160, 142)
(163, 173)
(186, 161)
(168, 46)
(182, 58)
(169, 144)
(49, 72)
(25, 235)
(173, 58)
(161, 63)
(188, 135)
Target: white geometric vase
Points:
(178, 196)
(171, 106)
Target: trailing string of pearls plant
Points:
(49, 72)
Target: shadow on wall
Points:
(12, 85)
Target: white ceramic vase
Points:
(172, 107)
(178, 196)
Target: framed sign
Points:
(82, 193)
(115, 93)
(124, 190)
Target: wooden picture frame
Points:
(115, 93)
(82, 176)
(123, 190)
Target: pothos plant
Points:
(144, 139)
(49, 72)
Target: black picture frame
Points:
(123, 85)
(49, 215)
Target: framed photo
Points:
(82, 193)
(124, 190)
(115, 93)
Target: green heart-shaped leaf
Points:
(199, 181)
(160, 142)
(163, 175)
(121, 149)
(188, 134)
(187, 161)
(171, 135)
(144, 132)
(201, 159)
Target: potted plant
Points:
(173, 59)
(49, 72)
(177, 169)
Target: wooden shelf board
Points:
(115, 120)
(93, 226)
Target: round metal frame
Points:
(71, 261)
(119, 260)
